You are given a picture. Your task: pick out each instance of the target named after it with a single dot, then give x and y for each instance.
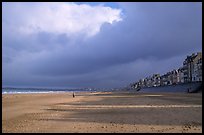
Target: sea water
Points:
(33, 91)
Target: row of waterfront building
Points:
(191, 71)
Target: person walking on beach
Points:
(189, 89)
(73, 95)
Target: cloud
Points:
(59, 18)
(151, 38)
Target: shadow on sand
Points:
(124, 115)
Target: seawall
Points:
(191, 87)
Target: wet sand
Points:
(99, 112)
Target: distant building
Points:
(181, 75)
(145, 82)
(191, 67)
(164, 80)
(174, 74)
(187, 66)
(149, 81)
(185, 71)
(134, 85)
(141, 83)
(190, 72)
(169, 78)
(197, 68)
(156, 80)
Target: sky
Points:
(96, 44)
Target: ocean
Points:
(172, 88)
(32, 91)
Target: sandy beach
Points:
(99, 112)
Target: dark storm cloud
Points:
(162, 31)
(151, 38)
